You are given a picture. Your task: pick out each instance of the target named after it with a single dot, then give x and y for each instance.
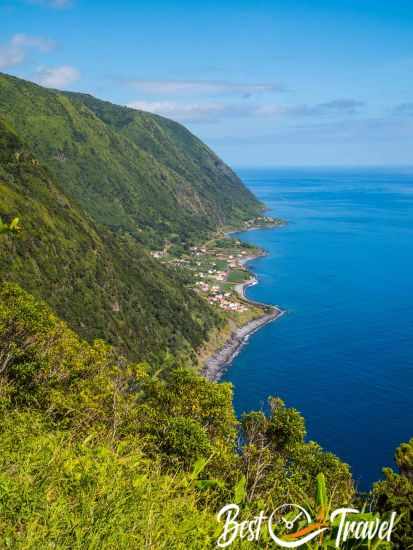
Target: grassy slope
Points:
(105, 285)
(129, 170)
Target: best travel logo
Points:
(291, 526)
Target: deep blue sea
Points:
(343, 270)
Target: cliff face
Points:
(102, 282)
(129, 170)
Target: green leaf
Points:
(240, 491)
(321, 495)
(199, 466)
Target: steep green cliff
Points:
(104, 284)
(129, 170)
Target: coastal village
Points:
(217, 270)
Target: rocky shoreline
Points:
(214, 367)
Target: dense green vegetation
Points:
(104, 284)
(100, 453)
(129, 170)
(97, 452)
(396, 493)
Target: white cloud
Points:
(57, 77)
(25, 41)
(14, 52)
(214, 111)
(10, 56)
(214, 87)
(335, 107)
(194, 112)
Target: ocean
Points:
(343, 269)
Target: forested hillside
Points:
(129, 170)
(103, 283)
(96, 186)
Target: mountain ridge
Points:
(129, 170)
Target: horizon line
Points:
(318, 166)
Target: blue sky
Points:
(305, 82)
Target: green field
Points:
(238, 276)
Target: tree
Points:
(395, 493)
(278, 461)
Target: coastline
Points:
(215, 366)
